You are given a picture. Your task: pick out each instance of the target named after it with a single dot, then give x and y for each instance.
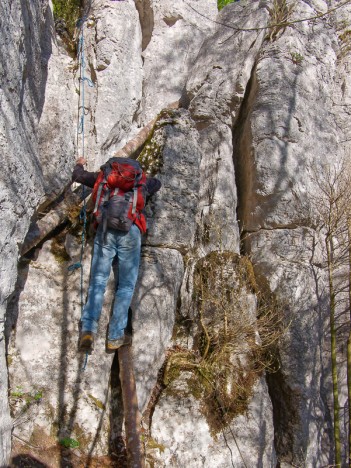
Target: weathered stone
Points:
(30, 117)
(45, 343)
(276, 101)
(215, 89)
(177, 34)
(112, 40)
(285, 133)
(175, 149)
(217, 82)
(154, 306)
(45, 348)
(290, 261)
(181, 436)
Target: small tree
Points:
(331, 214)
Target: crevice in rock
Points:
(285, 403)
(146, 16)
(171, 20)
(12, 309)
(181, 250)
(242, 151)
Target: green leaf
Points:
(222, 3)
(68, 442)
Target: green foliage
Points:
(38, 395)
(296, 58)
(223, 3)
(21, 401)
(18, 393)
(68, 442)
(69, 11)
(97, 402)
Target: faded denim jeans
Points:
(126, 246)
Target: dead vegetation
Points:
(236, 330)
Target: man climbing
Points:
(115, 237)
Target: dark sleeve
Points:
(84, 177)
(153, 185)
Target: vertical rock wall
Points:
(288, 126)
(297, 129)
(42, 350)
(112, 37)
(259, 109)
(172, 36)
(35, 130)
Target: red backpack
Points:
(119, 195)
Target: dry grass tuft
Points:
(237, 331)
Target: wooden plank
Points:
(132, 414)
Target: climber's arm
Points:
(82, 176)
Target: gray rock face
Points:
(179, 156)
(260, 109)
(278, 97)
(215, 89)
(170, 50)
(281, 133)
(154, 305)
(113, 63)
(183, 436)
(81, 398)
(35, 127)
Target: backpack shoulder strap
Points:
(98, 195)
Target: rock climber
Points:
(108, 244)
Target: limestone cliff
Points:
(229, 233)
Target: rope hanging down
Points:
(82, 112)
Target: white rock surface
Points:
(113, 39)
(278, 95)
(177, 202)
(154, 305)
(260, 112)
(287, 126)
(182, 436)
(44, 352)
(30, 118)
(177, 34)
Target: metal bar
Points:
(131, 411)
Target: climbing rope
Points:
(82, 112)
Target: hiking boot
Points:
(112, 345)
(86, 342)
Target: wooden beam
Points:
(44, 226)
(132, 416)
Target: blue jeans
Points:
(126, 246)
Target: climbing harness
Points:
(82, 112)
